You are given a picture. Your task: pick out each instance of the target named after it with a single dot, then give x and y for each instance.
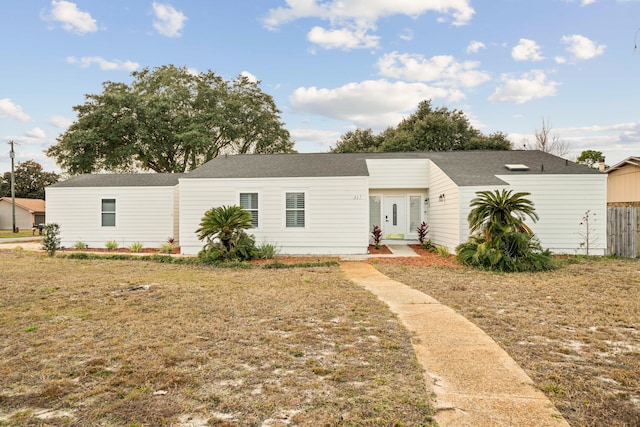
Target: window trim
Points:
(257, 210)
(113, 213)
(287, 210)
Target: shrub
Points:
(166, 248)
(267, 251)
(422, 230)
(111, 245)
(223, 229)
(80, 245)
(51, 241)
(443, 251)
(136, 247)
(376, 234)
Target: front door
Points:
(394, 225)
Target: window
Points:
(415, 208)
(294, 210)
(108, 212)
(375, 206)
(249, 201)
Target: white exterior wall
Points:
(398, 173)
(24, 218)
(560, 201)
(143, 214)
(443, 215)
(336, 212)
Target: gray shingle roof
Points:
(469, 168)
(465, 168)
(283, 165)
(122, 180)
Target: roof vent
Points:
(517, 167)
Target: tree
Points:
(548, 142)
(500, 239)
(427, 129)
(169, 119)
(494, 211)
(590, 158)
(30, 180)
(224, 230)
(358, 141)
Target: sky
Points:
(337, 65)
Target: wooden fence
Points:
(623, 231)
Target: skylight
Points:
(517, 167)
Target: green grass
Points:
(5, 234)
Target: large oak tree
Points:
(169, 119)
(427, 129)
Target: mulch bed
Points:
(425, 259)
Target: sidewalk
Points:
(475, 381)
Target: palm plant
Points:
(500, 239)
(494, 213)
(223, 228)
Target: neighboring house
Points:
(623, 183)
(29, 213)
(623, 213)
(325, 203)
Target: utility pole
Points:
(12, 154)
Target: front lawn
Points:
(575, 331)
(103, 342)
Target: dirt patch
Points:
(383, 250)
(575, 331)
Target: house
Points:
(623, 183)
(327, 203)
(29, 212)
(623, 208)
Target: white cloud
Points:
(116, 64)
(352, 19)
(372, 103)
(475, 46)
(406, 35)
(342, 38)
(71, 18)
(586, 2)
(526, 50)
(169, 21)
(442, 69)
(36, 133)
(322, 139)
(560, 59)
(581, 47)
(529, 86)
(60, 122)
(12, 110)
(249, 76)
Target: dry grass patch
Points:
(96, 342)
(575, 331)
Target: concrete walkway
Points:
(475, 381)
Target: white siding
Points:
(443, 213)
(398, 173)
(336, 212)
(561, 201)
(143, 214)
